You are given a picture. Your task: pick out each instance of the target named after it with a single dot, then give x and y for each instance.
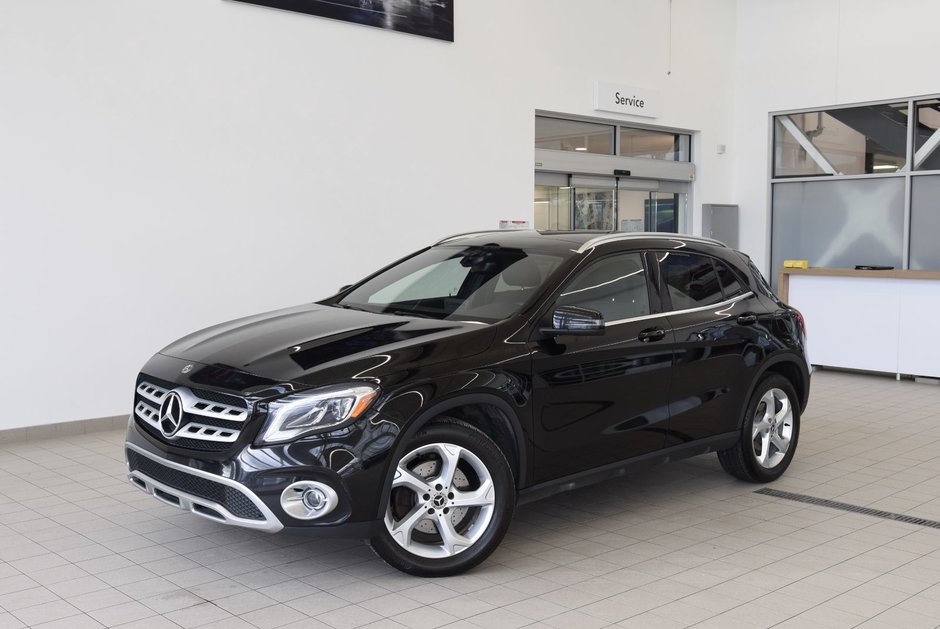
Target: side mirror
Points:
(575, 321)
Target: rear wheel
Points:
(769, 433)
(451, 500)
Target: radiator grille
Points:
(211, 421)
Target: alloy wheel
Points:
(442, 501)
(772, 428)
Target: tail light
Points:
(800, 320)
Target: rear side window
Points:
(615, 286)
(730, 282)
(690, 279)
(762, 283)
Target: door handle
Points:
(652, 334)
(748, 318)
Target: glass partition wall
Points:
(857, 185)
(589, 194)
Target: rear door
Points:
(720, 339)
(602, 399)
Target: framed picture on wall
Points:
(428, 18)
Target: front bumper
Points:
(245, 488)
(204, 494)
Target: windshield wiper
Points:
(408, 313)
(349, 307)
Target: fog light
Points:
(308, 500)
(314, 499)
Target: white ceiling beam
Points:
(807, 145)
(927, 149)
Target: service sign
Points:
(625, 99)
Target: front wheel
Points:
(769, 433)
(451, 500)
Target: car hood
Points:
(314, 343)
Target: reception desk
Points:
(873, 320)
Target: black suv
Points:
(419, 406)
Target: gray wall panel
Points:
(925, 222)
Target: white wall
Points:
(169, 164)
(813, 53)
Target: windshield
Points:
(486, 284)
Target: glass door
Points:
(571, 202)
(651, 211)
(553, 207)
(552, 201)
(593, 208)
(662, 213)
(594, 203)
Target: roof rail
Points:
(475, 233)
(593, 242)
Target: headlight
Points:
(315, 411)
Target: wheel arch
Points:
(788, 366)
(489, 413)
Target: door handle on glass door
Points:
(651, 334)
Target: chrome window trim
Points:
(270, 523)
(719, 306)
(615, 237)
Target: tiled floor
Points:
(676, 546)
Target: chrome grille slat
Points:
(151, 396)
(205, 408)
(193, 430)
(151, 392)
(147, 413)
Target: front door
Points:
(602, 399)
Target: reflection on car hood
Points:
(292, 343)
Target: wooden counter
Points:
(783, 276)
(868, 320)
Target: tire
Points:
(768, 438)
(450, 502)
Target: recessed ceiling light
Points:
(885, 167)
(580, 148)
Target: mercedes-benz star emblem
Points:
(186, 369)
(171, 414)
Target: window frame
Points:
(666, 298)
(743, 285)
(907, 174)
(652, 283)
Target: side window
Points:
(730, 282)
(690, 279)
(615, 286)
(761, 280)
